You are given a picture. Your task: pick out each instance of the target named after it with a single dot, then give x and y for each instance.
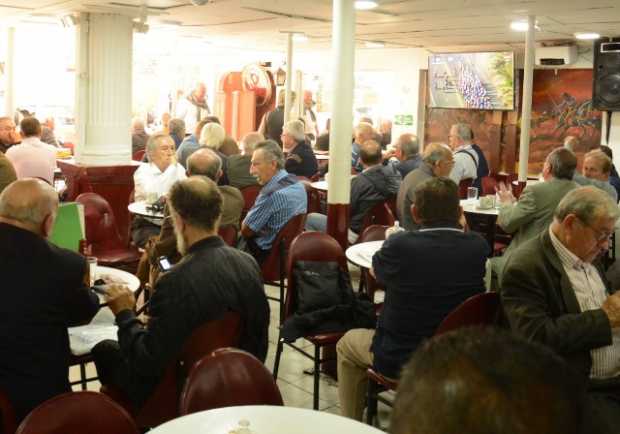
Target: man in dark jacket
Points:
(300, 159)
(375, 184)
(426, 274)
(209, 281)
(273, 121)
(44, 291)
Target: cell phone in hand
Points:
(100, 289)
(163, 264)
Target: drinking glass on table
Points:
(472, 193)
(92, 269)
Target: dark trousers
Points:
(250, 246)
(602, 410)
(142, 230)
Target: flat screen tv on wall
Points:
(483, 81)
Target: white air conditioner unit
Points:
(556, 56)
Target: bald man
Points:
(44, 291)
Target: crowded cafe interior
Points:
(338, 216)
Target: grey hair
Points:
(272, 152)
(250, 140)
(204, 162)
(562, 162)
(296, 130)
(409, 145)
(29, 211)
(176, 127)
(435, 152)
(587, 204)
(464, 132)
(212, 135)
(154, 141)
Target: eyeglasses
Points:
(599, 236)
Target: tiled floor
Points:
(296, 386)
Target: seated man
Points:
(45, 290)
(436, 161)
(281, 198)
(375, 184)
(7, 172)
(533, 212)
(300, 159)
(614, 179)
(426, 274)
(152, 181)
(203, 162)
(459, 383)
(33, 158)
(553, 293)
(595, 171)
(8, 134)
(469, 160)
(139, 136)
(363, 132)
(210, 280)
(238, 168)
(410, 158)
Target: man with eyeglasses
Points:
(554, 293)
(8, 134)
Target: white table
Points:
(264, 419)
(319, 185)
(139, 208)
(471, 206)
(361, 254)
(82, 339)
(321, 157)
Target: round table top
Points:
(471, 206)
(319, 185)
(263, 419)
(320, 157)
(361, 254)
(139, 208)
(132, 282)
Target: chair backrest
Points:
(138, 155)
(77, 181)
(7, 415)
(271, 265)
(463, 186)
(310, 246)
(373, 233)
(314, 198)
(229, 234)
(249, 193)
(162, 405)
(226, 378)
(101, 229)
(479, 309)
(379, 214)
(488, 185)
(78, 413)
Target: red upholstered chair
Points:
(274, 266)
(310, 246)
(379, 214)
(250, 193)
(163, 404)
(488, 185)
(78, 413)
(77, 181)
(226, 378)
(229, 234)
(138, 155)
(367, 282)
(7, 415)
(103, 236)
(463, 186)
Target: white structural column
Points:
(289, 78)
(9, 72)
(103, 89)
(526, 105)
(343, 62)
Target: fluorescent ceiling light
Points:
(587, 36)
(374, 44)
(300, 37)
(364, 5)
(519, 26)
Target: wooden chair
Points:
(138, 155)
(78, 413)
(489, 184)
(7, 415)
(479, 310)
(273, 268)
(379, 214)
(226, 378)
(367, 282)
(463, 186)
(310, 246)
(103, 236)
(249, 193)
(162, 405)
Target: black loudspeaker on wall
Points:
(606, 83)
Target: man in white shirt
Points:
(553, 293)
(33, 158)
(152, 181)
(465, 157)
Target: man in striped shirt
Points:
(281, 198)
(553, 292)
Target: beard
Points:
(181, 243)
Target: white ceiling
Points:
(437, 25)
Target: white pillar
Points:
(103, 89)
(289, 78)
(343, 61)
(9, 72)
(298, 107)
(526, 105)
